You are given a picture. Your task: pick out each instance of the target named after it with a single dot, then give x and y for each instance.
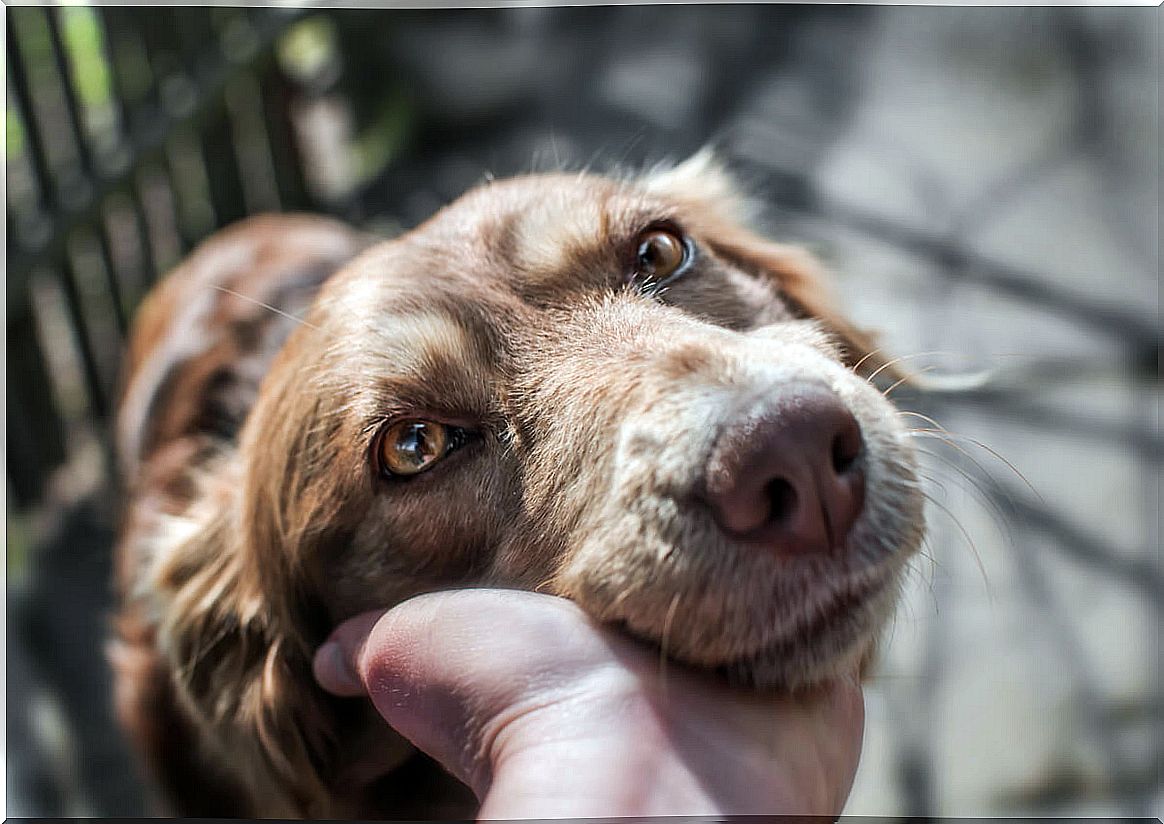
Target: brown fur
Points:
(595, 404)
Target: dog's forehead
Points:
(529, 226)
(507, 239)
(501, 250)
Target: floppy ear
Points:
(247, 612)
(243, 667)
(724, 211)
(804, 283)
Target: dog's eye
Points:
(410, 447)
(660, 254)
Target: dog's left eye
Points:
(410, 447)
(660, 254)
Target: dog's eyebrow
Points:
(556, 227)
(411, 360)
(412, 343)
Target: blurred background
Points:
(983, 181)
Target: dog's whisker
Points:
(993, 356)
(976, 489)
(930, 479)
(870, 354)
(946, 462)
(944, 458)
(985, 500)
(909, 377)
(932, 564)
(935, 565)
(929, 556)
(945, 434)
(908, 413)
(970, 541)
(900, 358)
(927, 579)
(268, 306)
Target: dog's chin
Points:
(836, 639)
(834, 636)
(715, 605)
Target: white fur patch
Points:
(702, 178)
(544, 233)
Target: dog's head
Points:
(604, 389)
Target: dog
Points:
(609, 389)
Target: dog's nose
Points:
(789, 474)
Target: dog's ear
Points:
(243, 667)
(725, 211)
(804, 284)
(248, 613)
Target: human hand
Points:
(544, 713)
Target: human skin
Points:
(545, 714)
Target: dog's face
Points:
(606, 390)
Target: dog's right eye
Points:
(410, 447)
(660, 254)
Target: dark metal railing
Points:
(128, 150)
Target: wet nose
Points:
(789, 474)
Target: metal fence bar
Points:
(178, 91)
(32, 135)
(51, 199)
(111, 17)
(35, 437)
(85, 154)
(81, 327)
(159, 125)
(276, 94)
(72, 104)
(222, 171)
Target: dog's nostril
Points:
(846, 448)
(781, 499)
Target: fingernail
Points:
(334, 673)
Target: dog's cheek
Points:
(637, 547)
(561, 481)
(416, 539)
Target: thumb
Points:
(430, 666)
(336, 663)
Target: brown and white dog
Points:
(605, 389)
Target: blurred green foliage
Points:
(18, 537)
(85, 44)
(307, 47)
(13, 133)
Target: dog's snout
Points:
(788, 475)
